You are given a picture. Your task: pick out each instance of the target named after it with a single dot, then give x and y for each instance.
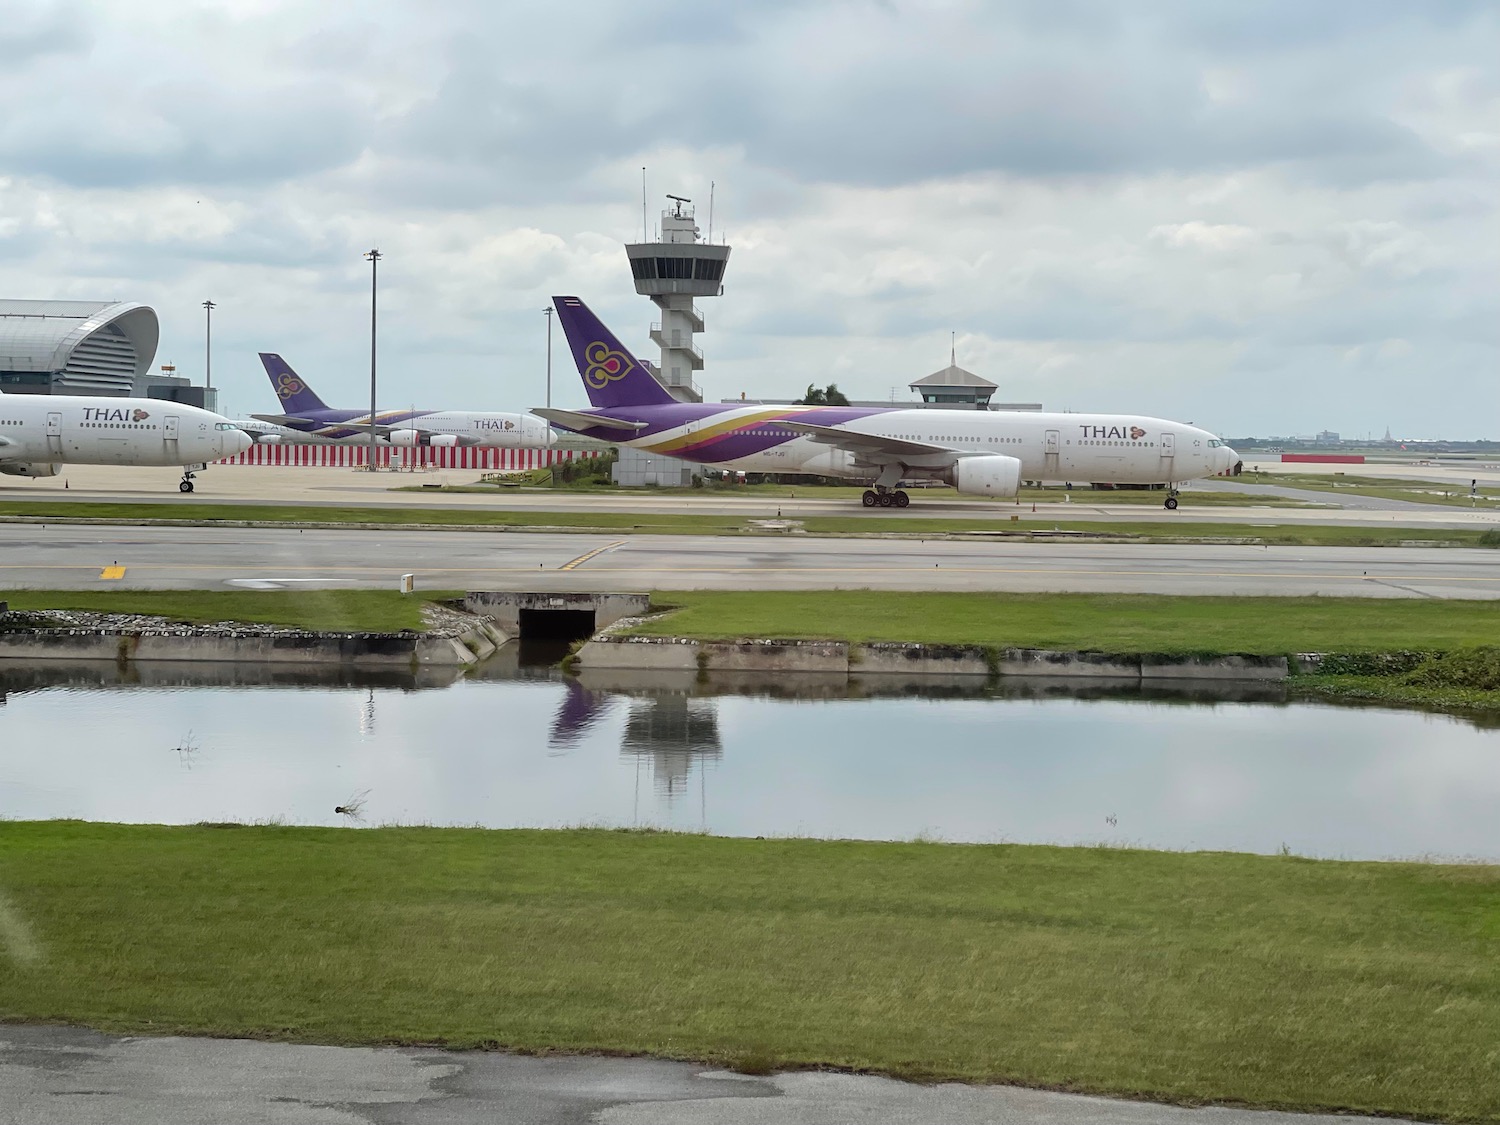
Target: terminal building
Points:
(100, 348)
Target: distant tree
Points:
(823, 396)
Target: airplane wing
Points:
(873, 447)
(578, 420)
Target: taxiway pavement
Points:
(63, 1076)
(324, 487)
(74, 556)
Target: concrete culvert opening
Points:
(556, 624)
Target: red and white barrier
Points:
(402, 457)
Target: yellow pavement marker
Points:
(581, 559)
(112, 572)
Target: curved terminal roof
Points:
(85, 347)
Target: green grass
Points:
(1178, 529)
(365, 611)
(1450, 493)
(1272, 981)
(1095, 622)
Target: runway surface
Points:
(110, 557)
(62, 1076)
(240, 484)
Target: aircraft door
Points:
(1052, 451)
(169, 428)
(1168, 446)
(54, 432)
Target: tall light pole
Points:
(373, 256)
(549, 310)
(208, 347)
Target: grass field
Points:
(852, 493)
(1180, 528)
(1097, 622)
(1452, 493)
(366, 611)
(1270, 981)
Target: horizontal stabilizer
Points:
(286, 420)
(580, 420)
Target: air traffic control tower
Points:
(672, 271)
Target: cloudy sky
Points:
(1266, 217)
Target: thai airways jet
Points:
(40, 433)
(980, 452)
(307, 414)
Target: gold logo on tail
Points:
(288, 385)
(605, 365)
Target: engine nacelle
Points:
(265, 439)
(435, 441)
(29, 469)
(992, 474)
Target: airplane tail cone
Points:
(611, 375)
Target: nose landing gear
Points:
(187, 481)
(1170, 504)
(879, 497)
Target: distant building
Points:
(76, 347)
(955, 386)
(1327, 437)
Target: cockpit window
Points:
(225, 426)
(1214, 443)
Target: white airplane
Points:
(41, 433)
(979, 452)
(311, 418)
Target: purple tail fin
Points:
(611, 375)
(295, 396)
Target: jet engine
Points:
(988, 475)
(436, 441)
(29, 469)
(264, 439)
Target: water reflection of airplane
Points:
(672, 730)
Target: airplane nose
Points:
(236, 442)
(1229, 461)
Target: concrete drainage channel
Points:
(491, 618)
(682, 654)
(488, 621)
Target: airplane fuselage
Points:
(49, 430)
(420, 427)
(1104, 448)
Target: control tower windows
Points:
(680, 269)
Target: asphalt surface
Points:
(71, 556)
(338, 488)
(62, 1076)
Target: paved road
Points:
(59, 1076)
(346, 488)
(76, 557)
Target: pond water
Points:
(1232, 767)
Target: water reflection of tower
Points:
(672, 732)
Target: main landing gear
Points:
(879, 497)
(1170, 504)
(187, 481)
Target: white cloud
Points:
(1188, 209)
